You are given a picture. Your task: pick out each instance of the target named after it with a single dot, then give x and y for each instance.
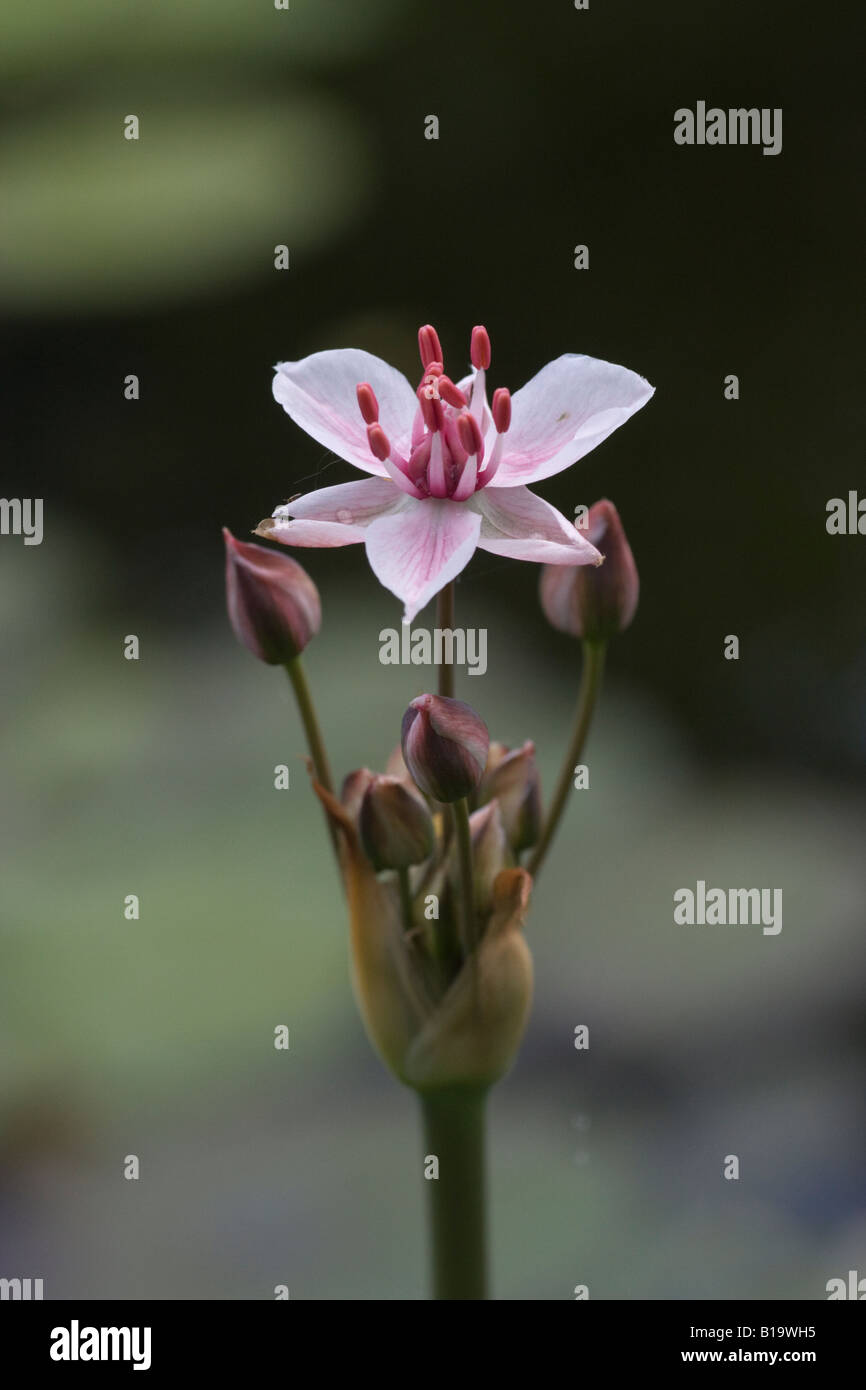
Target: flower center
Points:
(456, 440)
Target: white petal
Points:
(564, 412)
(312, 534)
(420, 549)
(348, 504)
(516, 523)
(319, 394)
(332, 516)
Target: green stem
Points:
(445, 620)
(315, 742)
(454, 1134)
(460, 811)
(590, 684)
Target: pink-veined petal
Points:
(332, 516)
(350, 504)
(420, 549)
(319, 393)
(319, 534)
(516, 523)
(564, 412)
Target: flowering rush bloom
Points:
(449, 471)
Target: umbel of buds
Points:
(440, 967)
(445, 746)
(594, 602)
(273, 603)
(395, 824)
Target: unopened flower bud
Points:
(513, 781)
(273, 603)
(594, 602)
(445, 746)
(395, 825)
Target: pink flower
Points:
(449, 472)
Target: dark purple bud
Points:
(445, 746)
(594, 601)
(395, 825)
(273, 603)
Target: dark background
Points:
(306, 127)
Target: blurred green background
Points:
(305, 127)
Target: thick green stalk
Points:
(590, 684)
(454, 1133)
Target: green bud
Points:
(490, 854)
(395, 825)
(511, 778)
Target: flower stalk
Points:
(445, 622)
(312, 729)
(454, 1133)
(590, 685)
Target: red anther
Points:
(501, 410)
(434, 369)
(377, 439)
(429, 345)
(470, 432)
(451, 394)
(431, 408)
(368, 403)
(479, 350)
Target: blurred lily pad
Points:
(207, 190)
(54, 35)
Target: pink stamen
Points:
(451, 394)
(479, 350)
(429, 345)
(436, 480)
(468, 480)
(380, 446)
(431, 406)
(368, 403)
(501, 410)
(488, 472)
(416, 468)
(469, 431)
